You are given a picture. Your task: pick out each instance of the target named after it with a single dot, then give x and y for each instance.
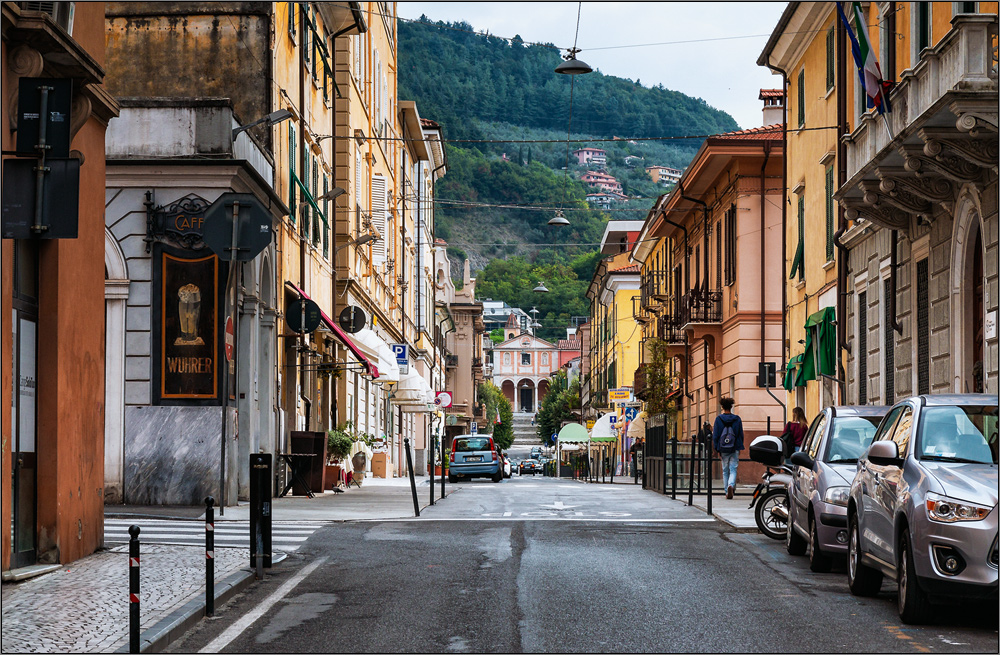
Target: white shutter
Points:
(379, 218)
(357, 178)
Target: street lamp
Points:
(572, 65)
(273, 118)
(360, 241)
(558, 219)
(335, 192)
(540, 288)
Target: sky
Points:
(695, 52)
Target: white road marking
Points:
(240, 626)
(559, 505)
(551, 517)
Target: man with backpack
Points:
(727, 439)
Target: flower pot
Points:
(332, 475)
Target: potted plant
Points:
(338, 447)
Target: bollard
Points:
(133, 589)
(708, 478)
(673, 469)
(413, 480)
(694, 440)
(431, 472)
(209, 557)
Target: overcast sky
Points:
(722, 71)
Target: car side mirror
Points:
(884, 453)
(803, 459)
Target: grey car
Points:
(923, 504)
(821, 481)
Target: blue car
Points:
(474, 456)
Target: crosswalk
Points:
(285, 536)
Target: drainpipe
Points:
(687, 346)
(892, 283)
(843, 252)
(763, 191)
(784, 206)
(704, 211)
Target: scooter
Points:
(770, 501)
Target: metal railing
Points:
(697, 306)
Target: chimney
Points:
(774, 102)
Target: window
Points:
(802, 97)
(967, 7)
(903, 430)
(885, 429)
(697, 267)
(798, 264)
(923, 330)
(922, 36)
(810, 443)
(525, 359)
(863, 348)
(306, 209)
(831, 56)
(888, 344)
(545, 359)
(291, 169)
(292, 28)
(730, 220)
(829, 213)
(378, 212)
(718, 254)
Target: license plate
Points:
(474, 459)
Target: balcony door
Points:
(25, 428)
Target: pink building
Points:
(591, 156)
(603, 181)
(522, 365)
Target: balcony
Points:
(654, 287)
(943, 128)
(451, 361)
(699, 306)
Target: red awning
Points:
(344, 339)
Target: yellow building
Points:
(860, 285)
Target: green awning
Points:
(790, 370)
(821, 341)
(573, 433)
(797, 259)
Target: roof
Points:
(426, 122)
(630, 268)
(440, 242)
(765, 133)
(568, 344)
(770, 93)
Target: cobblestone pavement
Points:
(83, 607)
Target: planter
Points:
(332, 475)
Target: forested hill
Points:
(504, 113)
(456, 75)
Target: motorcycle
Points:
(770, 497)
(770, 502)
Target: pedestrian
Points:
(727, 439)
(795, 430)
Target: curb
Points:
(171, 627)
(736, 528)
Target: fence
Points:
(686, 467)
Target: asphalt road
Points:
(540, 565)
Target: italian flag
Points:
(864, 57)
(498, 417)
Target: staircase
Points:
(525, 434)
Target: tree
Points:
(494, 401)
(558, 406)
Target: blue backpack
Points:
(727, 440)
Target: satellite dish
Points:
(443, 399)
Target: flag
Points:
(864, 58)
(498, 421)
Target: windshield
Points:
(471, 444)
(851, 436)
(959, 434)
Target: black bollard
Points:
(673, 468)
(708, 478)
(694, 440)
(413, 480)
(431, 471)
(133, 589)
(209, 556)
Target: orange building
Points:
(52, 321)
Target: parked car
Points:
(536, 452)
(822, 473)
(506, 465)
(923, 504)
(474, 456)
(531, 466)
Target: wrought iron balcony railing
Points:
(698, 306)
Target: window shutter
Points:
(862, 348)
(357, 178)
(802, 97)
(831, 41)
(829, 213)
(888, 344)
(291, 169)
(923, 330)
(802, 236)
(379, 218)
(306, 209)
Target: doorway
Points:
(24, 424)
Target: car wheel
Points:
(498, 476)
(794, 543)
(862, 580)
(914, 608)
(819, 562)
(452, 479)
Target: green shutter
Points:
(802, 97)
(831, 55)
(306, 214)
(798, 263)
(829, 213)
(291, 171)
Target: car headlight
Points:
(837, 496)
(948, 510)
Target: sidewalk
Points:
(83, 607)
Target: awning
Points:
(790, 370)
(413, 394)
(602, 430)
(821, 342)
(341, 335)
(637, 427)
(573, 433)
(377, 349)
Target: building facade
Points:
(51, 289)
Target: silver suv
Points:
(923, 504)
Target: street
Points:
(541, 565)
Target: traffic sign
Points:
(620, 395)
(443, 399)
(630, 412)
(351, 319)
(401, 350)
(293, 316)
(253, 228)
(474, 428)
(230, 339)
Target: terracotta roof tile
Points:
(630, 268)
(766, 133)
(771, 93)
(426, 122)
